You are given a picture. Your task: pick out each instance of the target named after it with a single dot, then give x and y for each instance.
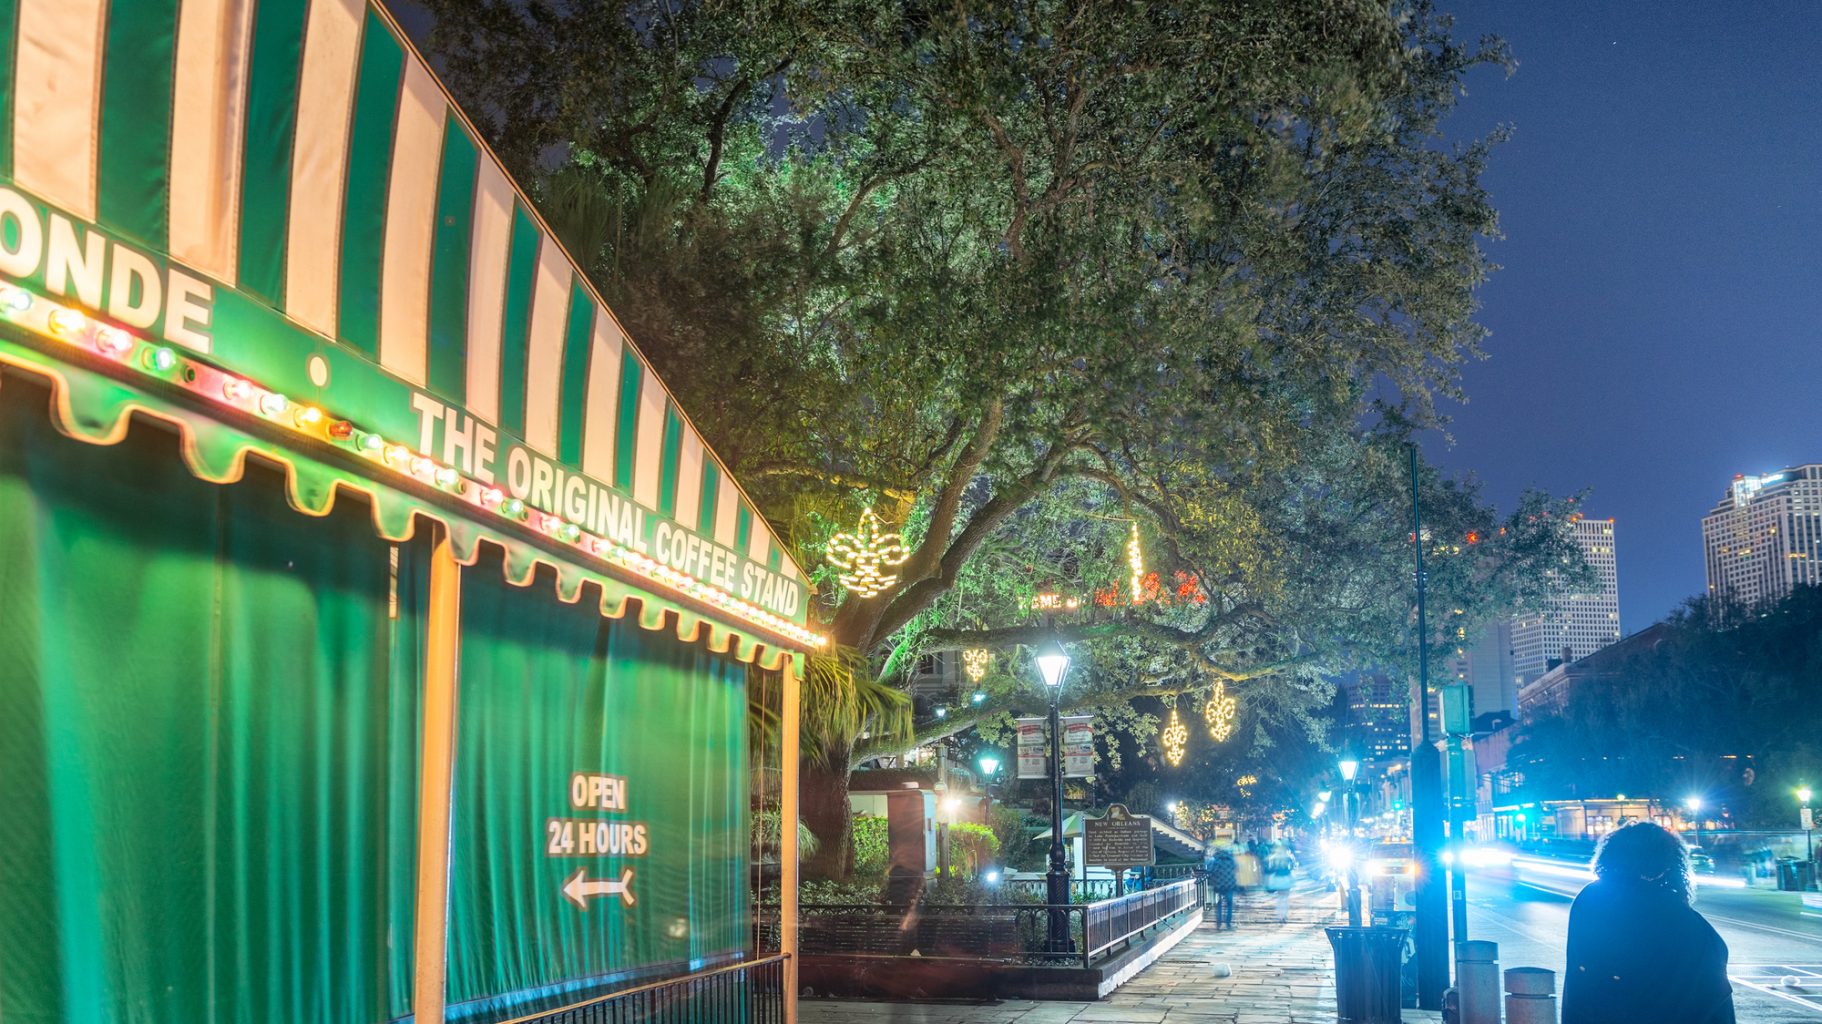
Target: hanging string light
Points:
(1173, 737)
(864, 556)
(1135, 557)
(46, 318)
(1218, 711)
(975, 661)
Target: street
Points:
(1771, 936)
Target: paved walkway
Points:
(1260, 973)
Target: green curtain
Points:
(208, 742)
(548, 690)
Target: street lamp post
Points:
(1351, 810)
(1808, 822)
(1694, 806)
(1053, 662)
(990, 766)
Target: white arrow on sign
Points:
(579, 887)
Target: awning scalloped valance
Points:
(98, 409)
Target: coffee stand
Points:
(379, 634)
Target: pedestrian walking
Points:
(1223, 878)
(1278, 867)
(1637, 949)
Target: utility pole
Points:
(1427, 803)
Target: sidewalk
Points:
(1276, 974)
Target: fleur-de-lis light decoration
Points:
(865, 556)
(1135, 557)
(975, 661)
(1219, 711)
(1173, 737)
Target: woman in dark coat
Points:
(1637, 950)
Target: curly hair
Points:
(1645, 852)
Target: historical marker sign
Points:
(1118, 839)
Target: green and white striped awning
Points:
(283, 190)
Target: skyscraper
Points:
(1483, 661)
(1379, 722)
(1765, 536)
(1572, 625)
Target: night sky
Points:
(1657, 326)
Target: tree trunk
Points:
(823, 796)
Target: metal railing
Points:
(1101, 888)
(1003, 932)
(1110, 922)
(985, 931)
(743, 993)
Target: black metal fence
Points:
(1103, 888)
(744, 993)
(1001, 932)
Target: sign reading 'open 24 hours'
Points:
(596, 837)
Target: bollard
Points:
(1530, 995)
(1477, 981)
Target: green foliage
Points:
(1020, 276)
(1714, 695)
(816, 891)
(970, 847)
(872, 850)
(1008, 825)
(767, 834)
(841, 699)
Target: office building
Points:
(1483, 662)
(1765, 536)
(1379, 724)
(1572, 625)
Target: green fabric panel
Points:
(743, 529)
(449, 258)
(207, 743)
(711, 494)
(548, 690)
(626, 432)
(265, 182)
(9, 41)
(578, 343)
(376, 102)
(515, 331)
(133, 158)
(670, 454)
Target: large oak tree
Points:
(1021, 275)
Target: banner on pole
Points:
(1032, 748)
(1078, 746)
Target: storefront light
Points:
(67, 323)
(160, 359)
(113, 341)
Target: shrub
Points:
(971, 846)
(872, 848)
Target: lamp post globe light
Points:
(1053, 664)
(1349, 767)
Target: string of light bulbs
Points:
(49, 319)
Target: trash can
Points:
(1787, 875)
(1367, 964)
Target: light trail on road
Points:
(1772, 936)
